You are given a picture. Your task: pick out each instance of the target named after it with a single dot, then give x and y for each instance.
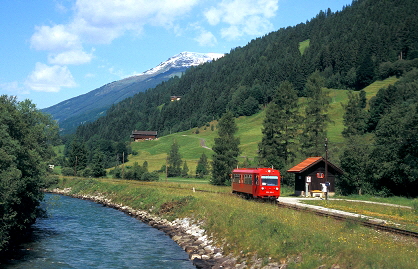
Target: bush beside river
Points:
(255, 233)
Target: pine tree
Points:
(355, 117)
(145, 166)
(77, 156)
(226, 150)
(280, 128)
(316, 117)
(98, 164)
(355, 161)
(202, 167)
(270, 149)
(185, 170)
(174, 160)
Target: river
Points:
(83, 234)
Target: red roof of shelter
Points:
(309, 162)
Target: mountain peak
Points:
(181, 60)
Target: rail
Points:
(362, 221)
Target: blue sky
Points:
(53, 50)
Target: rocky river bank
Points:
(184, 232)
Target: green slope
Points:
(249, 131)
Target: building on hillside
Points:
(175, 98)
(310, 174)
(143, 135)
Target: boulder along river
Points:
(83, 234)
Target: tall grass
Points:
(248, 228)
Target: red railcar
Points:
(256, 182)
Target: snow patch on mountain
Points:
(181, 60)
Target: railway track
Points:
(364, 222)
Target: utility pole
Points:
(326, 166)
(75, 166)
(123, 165)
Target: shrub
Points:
(67, 171)
(150, 176)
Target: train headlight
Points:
(262, 188)
(277, 189)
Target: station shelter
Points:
(312, 173)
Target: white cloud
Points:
(102, 21)
(105, 20)
(70, 57)
(213, 15)
(232, 32)
(55, 38)
(50, 78)
(242, 17)
(206, 39)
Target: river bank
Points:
(184, 232)
(248, 234)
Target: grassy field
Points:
(249, 132)
(304, 45)
(247, 228)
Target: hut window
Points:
(320, 175)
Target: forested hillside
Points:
(351, 48)
(367, 41)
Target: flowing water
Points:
(83, 234)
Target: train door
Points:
(255, 185)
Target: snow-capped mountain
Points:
(92, 105)
(184, 59)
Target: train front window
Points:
(269, 180)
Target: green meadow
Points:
(249, 132)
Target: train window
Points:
(269, 180)
(235, 178)
(248, 179)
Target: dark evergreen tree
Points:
(355, 162)
(202, 167)
(395, 156)
(77, 156)
(316, 117)
(363, 99)
(365, 73)
(174, 161)
(270, 149)
(226, 150)
(145, 166)
(185, 170)
(355, 117)
(98, 164)
(280, 128)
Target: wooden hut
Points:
(143, 135)
(310, 173)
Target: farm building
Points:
(310, 173)
(143, 135)
(175, 98)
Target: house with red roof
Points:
(313, 171)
